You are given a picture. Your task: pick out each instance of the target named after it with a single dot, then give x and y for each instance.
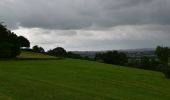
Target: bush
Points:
(112, 57)
(167, 72)
(38, 49)
(5, 50)
(73, 55)
(58, 52)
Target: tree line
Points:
(112, 57)
(159, 63)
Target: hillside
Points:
(71, 79)
(28, 54)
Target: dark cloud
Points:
(80, 14)
(89, 24)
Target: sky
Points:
(89, 25)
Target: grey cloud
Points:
(83, 14)
(67, 33)
(123, 4)
(120, 37)
(89, 24)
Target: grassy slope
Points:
(79, 80)
(27, 54)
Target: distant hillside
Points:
(150, 52)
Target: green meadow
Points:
(70, 79)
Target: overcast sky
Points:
(89, 24)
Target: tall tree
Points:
(9, 43)
(24, 42)
(163, 55)
(59, 52)
(36, 48)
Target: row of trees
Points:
(10, 43)
(112, 57)
(145, 63)
(58, 51)
(159, 63)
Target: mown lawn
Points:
(70, 79)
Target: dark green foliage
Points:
(167, 71)
(159, 63)
(145, 63)
(58, 52)
(133, 63)
(163, 54)
(38, 49)
(73, 55)
(123, 58)
(5, 50)
(98, 56)
(112, 57)
(149, 63)
(23, 41)
(78, 56)
(9, 43)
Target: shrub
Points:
(167, 72)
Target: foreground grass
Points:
(79, 80)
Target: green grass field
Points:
(70, 79)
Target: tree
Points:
(112, 57)
(9, 43)
(98, 57)
(163, 55)
(59, 52)
(36, 48)
(123, 59)
(5, 50)
(73, 55)
(23, 41)
(145, 63)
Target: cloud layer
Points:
(89, 25)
